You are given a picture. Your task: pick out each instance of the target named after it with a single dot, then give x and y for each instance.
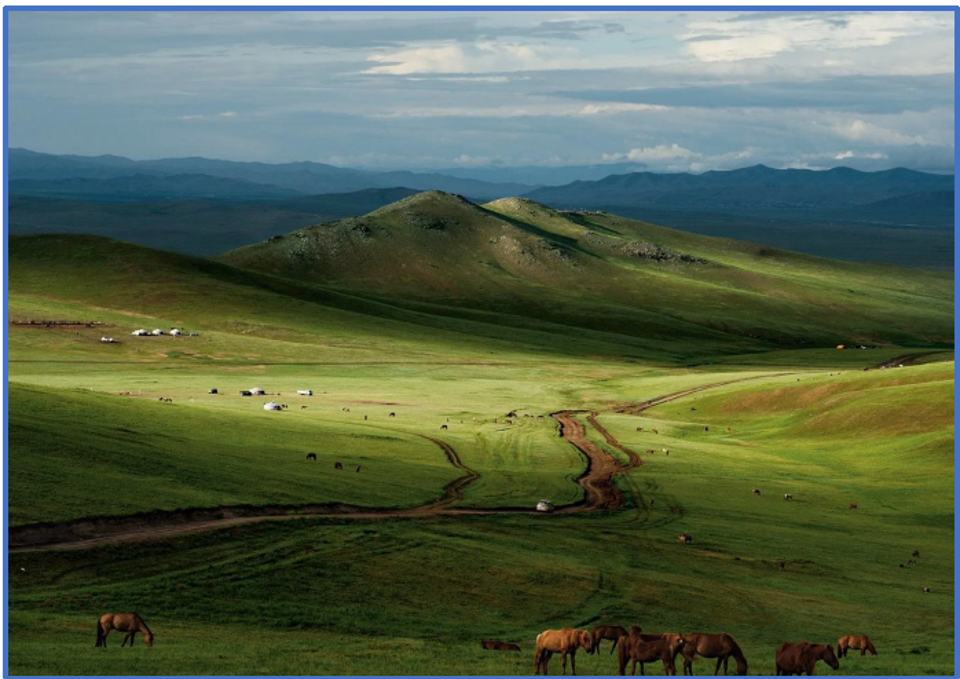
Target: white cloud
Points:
(845, 155)
(863, 131)
(757, 36)
(595, 109)
(653, 154)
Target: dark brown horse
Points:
(675, 641)
(129, 623)
(802, 658)
(720, 646)
(497, 645)
(634, 648)
(607, 632)
(856, 642)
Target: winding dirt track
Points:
(600, 493)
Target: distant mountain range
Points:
(202, 206)
(762, 190)
(46, 174)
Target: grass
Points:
(415, 596)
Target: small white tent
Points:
(175, 331)
(270, 405)
(157, 331)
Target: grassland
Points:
(339, 595)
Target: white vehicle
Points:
(545, 506)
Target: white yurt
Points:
(304, 392)
(157, 331)
(257, 391)
(139, 333)
(271, 405)
(175, 331)
(544, 506)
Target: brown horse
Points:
(607, 632)
(565, 641)
(802, 658)
(644, 648)
(675, 641)
(129, 623)
(497, 645)
(857, 642)
(720, 646)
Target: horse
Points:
(858, 642)
(644, 648)
(802, 658)
(338, 465)
(497, 645)
(358, 469)
(787, 496)
(686, 539)
(565, 641)
(756, 491)
(916, 554)
(853, 506)
(607, 632)
(311, 456)
(392, 415)
(129, 623)
(443, 427)
(675, 641)
(720, 646)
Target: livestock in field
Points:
(338, 465)
(721, 646)
(128, 623)
(675, 641)
(802, 658)
(685, 538)
(787, 496)
(311, 456)
(612, 633)
(635, 648)
(856, 642)
(565, 641)
(497, 645)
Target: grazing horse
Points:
(497, 645)
(443, 426)
(565, 641)
(853, 506)
(720, 646)
(311, 456)
(358, 469)
(644, 648)
(916, 554)
(857, 642)
(303, 407)
(128, 623)
(787, 496)
(756, 491)
(802, 658)
(392, 415)
(607, 632)
(337, 465)
(686, 539)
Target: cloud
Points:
(860, 130)
(845, 155)
(653, 154)
(764, 35)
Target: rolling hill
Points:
(609, 274)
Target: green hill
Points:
(600, 272)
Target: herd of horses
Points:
(636, 647)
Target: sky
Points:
(669, 91)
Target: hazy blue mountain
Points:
(144, 187)
(753, 190)
(543, 176)
(301, 177)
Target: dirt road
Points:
(597, 480)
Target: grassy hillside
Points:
(318, 596)
(602, 272)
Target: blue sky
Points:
(672, 91)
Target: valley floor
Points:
(415, 593)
